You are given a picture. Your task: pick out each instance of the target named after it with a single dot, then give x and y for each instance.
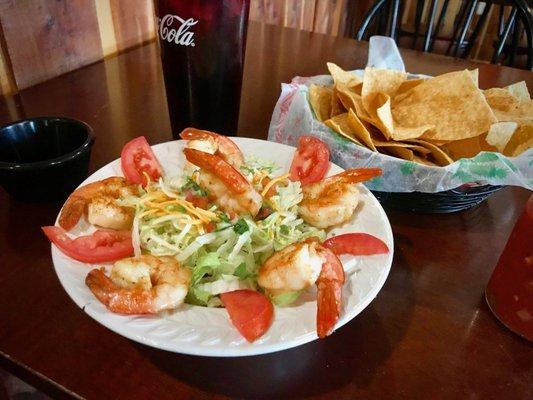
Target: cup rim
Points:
(86, 145)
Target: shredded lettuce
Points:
(284, 299)
(231, 261)
(229, 257)
(254, 165)
(197, 296)
(242, 272)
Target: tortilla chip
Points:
(501, 99)
(521, 141)
(384, 81)
(411, 146)
(381, 113)
(360, 110)
(474, 74)
(342, 126)
(336, 105)
(402, 133)
(320, 99)
(358, 89)
(451, 103)
(438, 142)
(507, 107)
(360, 131)
(464, 148)
(500, 133)
(401, 152)
(346, 95)
(352, 101)
(519, 90)
(408, 85)
(342, 77)
(429, 121)
(441, 158)
(484, 146)
(425, 161)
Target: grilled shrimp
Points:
(214, 143)
(333, 200)
(141, 285)
(225, 186)
(97, 201)
(301, 265)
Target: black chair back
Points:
(384, 18)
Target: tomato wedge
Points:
(311, 161)
(250, 312)
(138, 158)
(356, 244)
(101, 246)
(196, 200)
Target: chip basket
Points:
(450, 201)
(405, 184)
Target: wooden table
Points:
(428, 334)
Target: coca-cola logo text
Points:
(181, 35)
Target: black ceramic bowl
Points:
(44, 158)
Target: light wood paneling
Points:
(324, 16)
(299, 14)
(269, 11)
(134, 22)
(7, 81)
(41, 39)
(106, 27)
(47, 38)
(328, 14)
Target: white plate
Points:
(208, 331)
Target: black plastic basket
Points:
(450, 201)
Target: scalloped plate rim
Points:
(116, 322)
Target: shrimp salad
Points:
(223, 249)
(226, 231)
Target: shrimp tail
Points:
(329, 307)
(72, 211)
(217, 166)
(356, 175)
(227, 148)
(194, 134)
(117, 299)
(77, 203)
(329, 302)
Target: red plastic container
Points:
(510, 289)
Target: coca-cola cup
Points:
(202, 49)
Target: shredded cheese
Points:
(273, 182)
(158, 202)
(148, 179)
(259, 176)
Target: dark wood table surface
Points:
(428, 334)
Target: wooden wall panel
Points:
(269, 11)
(328, 15)
(134, 22)
(299, 14)
(48, 38)
(307, 16)
(106, 27)
(324, 16)
(256, 10)
(7, 81)
(41, 39)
